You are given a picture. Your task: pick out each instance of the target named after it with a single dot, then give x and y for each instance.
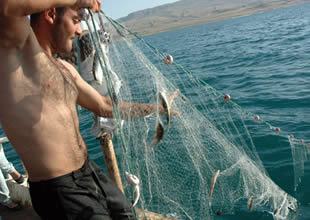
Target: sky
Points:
(121, 8)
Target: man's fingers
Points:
(84, 4)
(99, 5)
(173, 96)
(94, 5)
(174, 113)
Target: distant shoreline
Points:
(211, 17)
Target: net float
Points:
(168, 60)
(226, 98)
(256, 118)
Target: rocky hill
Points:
(194, 12)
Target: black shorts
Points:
(85, 194)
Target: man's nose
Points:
(78, 30)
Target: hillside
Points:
(194, 12)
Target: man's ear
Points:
(50, 15)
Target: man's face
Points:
(65, 30)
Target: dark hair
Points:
(34, 18)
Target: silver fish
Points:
(136, 195)
(86, 45)
(292, 209)
(250, 203)
(101, 21)
(213, 181)
(135, 182)
(159, 135)
(166, 106)
(86, 50)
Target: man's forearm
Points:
(135, 110)
(129, 110)
(27, 7)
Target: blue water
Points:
(263, 62)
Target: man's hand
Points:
(166, 108)
(173, 96)
(94, 5)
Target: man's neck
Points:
(45, 41)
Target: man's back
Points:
(38, 98)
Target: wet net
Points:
(206, 164)
(300, 154)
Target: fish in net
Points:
(204, 162)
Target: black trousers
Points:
(85, 194)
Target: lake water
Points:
(262, 61)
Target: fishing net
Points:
(300, 154)
(211, 135)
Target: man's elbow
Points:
(4, 8)
(9, 8)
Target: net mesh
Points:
(300, 153)
(210, 134)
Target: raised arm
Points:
(14, 24)
(102, 106)
(20, 8)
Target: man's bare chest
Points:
(34, 92)
(56, 81)
(42, 78)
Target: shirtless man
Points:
(38, 96)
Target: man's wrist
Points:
(161, 109)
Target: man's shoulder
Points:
(69, 67)
(66, 64)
